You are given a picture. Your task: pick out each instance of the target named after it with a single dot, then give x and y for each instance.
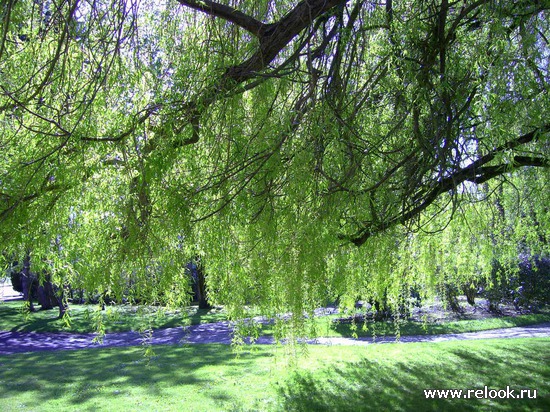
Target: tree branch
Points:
(278, 35)
(477, 172)
(274, 38)
(28, 198)
(227, 13)
(488, 172)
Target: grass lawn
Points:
(325, 327)
(338, 378)
(84, 318)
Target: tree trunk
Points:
(470, 293)
(201, 287)
(46, 295)
(27, 280)
(62, 302)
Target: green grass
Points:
(327, 327)
(405, 327)
(84, 318)
(337, 378)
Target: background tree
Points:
(270, 138)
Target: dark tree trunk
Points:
(470, 293)
(46, 295)
(27, 280)
(42, 290)
(452, 298)
(201, 287)
(62, 302)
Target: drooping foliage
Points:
(305, 151)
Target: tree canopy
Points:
(304, 151)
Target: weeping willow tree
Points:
(304, 151)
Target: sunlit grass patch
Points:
(334, 378)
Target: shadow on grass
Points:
(111, 375)
(398, 385)
(200, 316)
(114, 319)
(406, 328)
(14, 319)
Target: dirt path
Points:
(220, 332)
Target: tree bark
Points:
(201, 287)
(27, 280)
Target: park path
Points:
(221, 332)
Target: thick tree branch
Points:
(477, 172)
(274, 38)
(488, 172)
(228, 13)
(278, 35)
